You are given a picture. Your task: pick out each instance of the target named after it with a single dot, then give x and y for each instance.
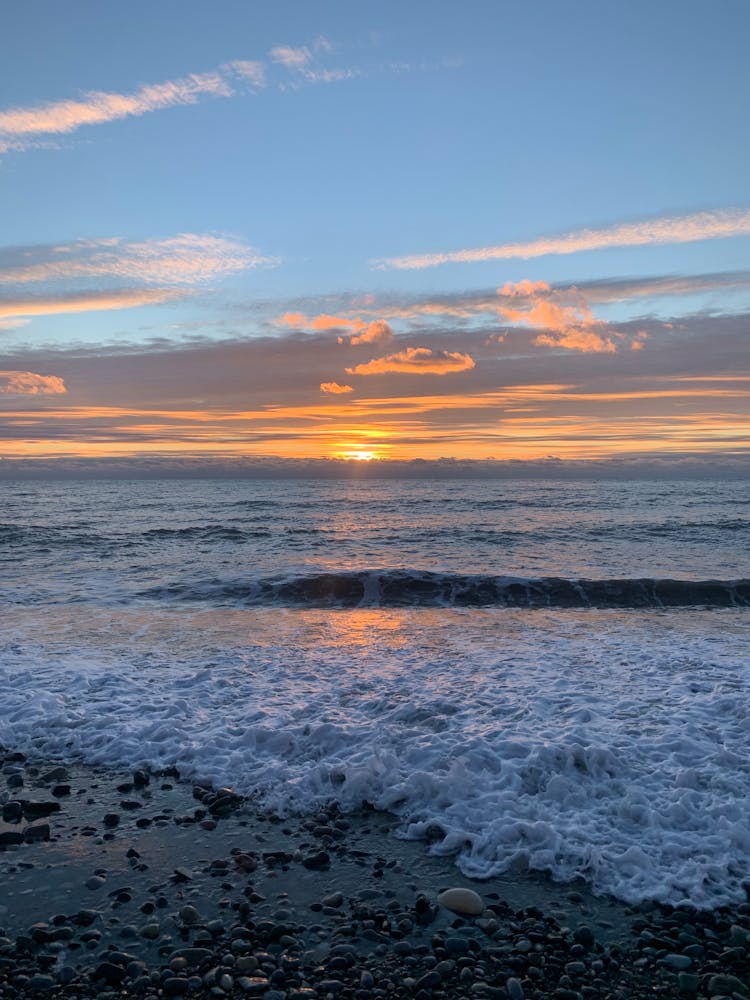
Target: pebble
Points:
(189, 914)
(95, 882)
(514, 988)
(463, 901)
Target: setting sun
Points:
(358, 456)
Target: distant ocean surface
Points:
(545, 675)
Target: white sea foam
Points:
(610, 745)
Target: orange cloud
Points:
(648, 232)
(335, 388)
(377, 332)
(416, 361)
(30, 384)
(564, 313)
(52, 305)
(323, 321)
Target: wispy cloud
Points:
(711, 225)
(185, 259)
(177, 265)
(23, 128)
(290, 57)
(416, 361)
(80, 302)
(98, 107)
(30, 384)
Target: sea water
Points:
(531, 675)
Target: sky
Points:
(509, 230)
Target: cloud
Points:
(335, 388)
(51, 305)
(291, 58)
(323, 321)
(12, 324)
(22, 127)
(416, 361)
(711, 225)
(377, 332)
(30, 384)
(563, 312)
(184, 259)
(98, 107)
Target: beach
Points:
(535, 691)
(138, 883)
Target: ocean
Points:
(531, 675)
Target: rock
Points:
(189, 914)
(253, 986)
(36, 810)
(174, 986)
(334, 899)
(463, 901)
(316, 861)
(59, 791)
(688, 982)
(111, 819)
(725, 985)
(95, 882)
(40, 982)
(140, 778)
(10, 838)
(182, 875)
(679, 962)
(150, 931)
(514, 988)
(39, 831)
(12, 812)
(15, 781)
(112, 974)
(193, 956)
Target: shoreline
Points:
(142, 884)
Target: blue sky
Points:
(255, 161)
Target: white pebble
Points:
(464, 901)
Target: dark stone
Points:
(60, 790)
(140, 778)
(428, 981)
(316, 861)
(40, 982)
(584, 935)
(35, 833)
(12, 812)
(130, 804)
(35, 810)
(10, 838)
(84, 918)
(112, 974)
(111, 819)
(174, 986)
(15, 781)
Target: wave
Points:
(205, 532)
(414, 588)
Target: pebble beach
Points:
(142, 884)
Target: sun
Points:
(358, 456)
